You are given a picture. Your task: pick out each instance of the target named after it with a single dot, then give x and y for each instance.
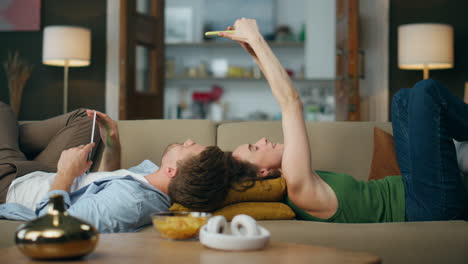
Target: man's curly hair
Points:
(202, 182)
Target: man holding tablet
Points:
(50, 157)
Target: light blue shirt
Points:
(120, 204)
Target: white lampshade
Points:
(62, 44)
(425, 46)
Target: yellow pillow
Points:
(272, 190)
(258, 210)
(261, 202)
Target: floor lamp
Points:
(66, 46)
(425, 47)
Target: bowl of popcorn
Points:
(179, 225)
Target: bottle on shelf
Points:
(183, 111)
(302, 33)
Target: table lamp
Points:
(425, 46)
(66, 46)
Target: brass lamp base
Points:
(56, 235)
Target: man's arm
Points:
(110, 137)
(110, 208)
(110, 160)
(72, 163)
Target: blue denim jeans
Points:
(426, 119)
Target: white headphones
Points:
(246, 234)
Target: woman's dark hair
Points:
(202, 182)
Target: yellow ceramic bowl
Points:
(179, 225)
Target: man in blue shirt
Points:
(120, 203)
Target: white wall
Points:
(320, 39)
(112, 59)
(374, 39)
(319, 17)
(197, 15)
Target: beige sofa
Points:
(339, 146)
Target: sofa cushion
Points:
(147, 139)
(344, 147)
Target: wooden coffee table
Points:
(147, 247)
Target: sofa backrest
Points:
(147, 139)
(336, 146)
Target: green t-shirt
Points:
(361, 202)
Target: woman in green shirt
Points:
(425, 120)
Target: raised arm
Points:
(249, 49)
(296, 162)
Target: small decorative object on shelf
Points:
(56, 235)
(170, 68)
(219, 67)
(17, 72)
(302, 34)
(284, 34)
(208, 104)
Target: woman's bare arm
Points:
(296, 163)
(247, 48)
